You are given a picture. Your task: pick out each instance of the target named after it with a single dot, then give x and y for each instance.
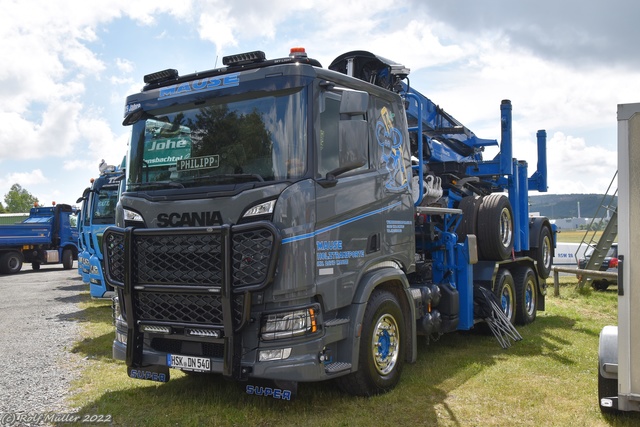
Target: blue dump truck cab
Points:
(286, 222)
(48, 236)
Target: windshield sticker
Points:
(390, 139)
(194, 163)
(165, 144)
(202, 85)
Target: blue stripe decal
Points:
(340, 224)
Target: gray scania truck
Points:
(286, 222)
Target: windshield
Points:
(251, 138)
(104, 206)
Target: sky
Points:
(66, 67)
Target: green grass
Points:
(573, 236)
(464, 379)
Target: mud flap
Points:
(156, 373)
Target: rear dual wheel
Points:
(517, 294)
(505, 291)
(11, 262)
(526, 286)
(543, 254)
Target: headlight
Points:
(130, 215)
(265, 208)
(288, 324)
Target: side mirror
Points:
(354, 103)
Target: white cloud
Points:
(575, 167)
(124, 65)
(25, 179)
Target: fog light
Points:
(203, 333)
(275, 354)
(155, 329)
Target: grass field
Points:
(464, 379)
(575, 236)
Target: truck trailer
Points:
(47, 236)
(619, 346)
(286, 222)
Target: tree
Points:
(19, 200)
(2, 208)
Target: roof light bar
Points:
(244, 58)
(161, 76)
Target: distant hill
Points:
(557, 206)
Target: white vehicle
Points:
(619, 349)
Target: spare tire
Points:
(495, 227)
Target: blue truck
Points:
(48, 236)
(83, 242)
(282, 221)
(98, 212)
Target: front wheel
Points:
(381, 347)
(67, 259)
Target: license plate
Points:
(190, 363)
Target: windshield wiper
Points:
(226, 176)
(156, 185)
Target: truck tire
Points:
(381, 348)
(607, 387)
(468, 225)
(495, 227)
(526, 295)
(600, 285)
(11, 262)
(67, 259)
(543, 254)
(505, 291)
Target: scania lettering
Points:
(189, 219)
(344, 217)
